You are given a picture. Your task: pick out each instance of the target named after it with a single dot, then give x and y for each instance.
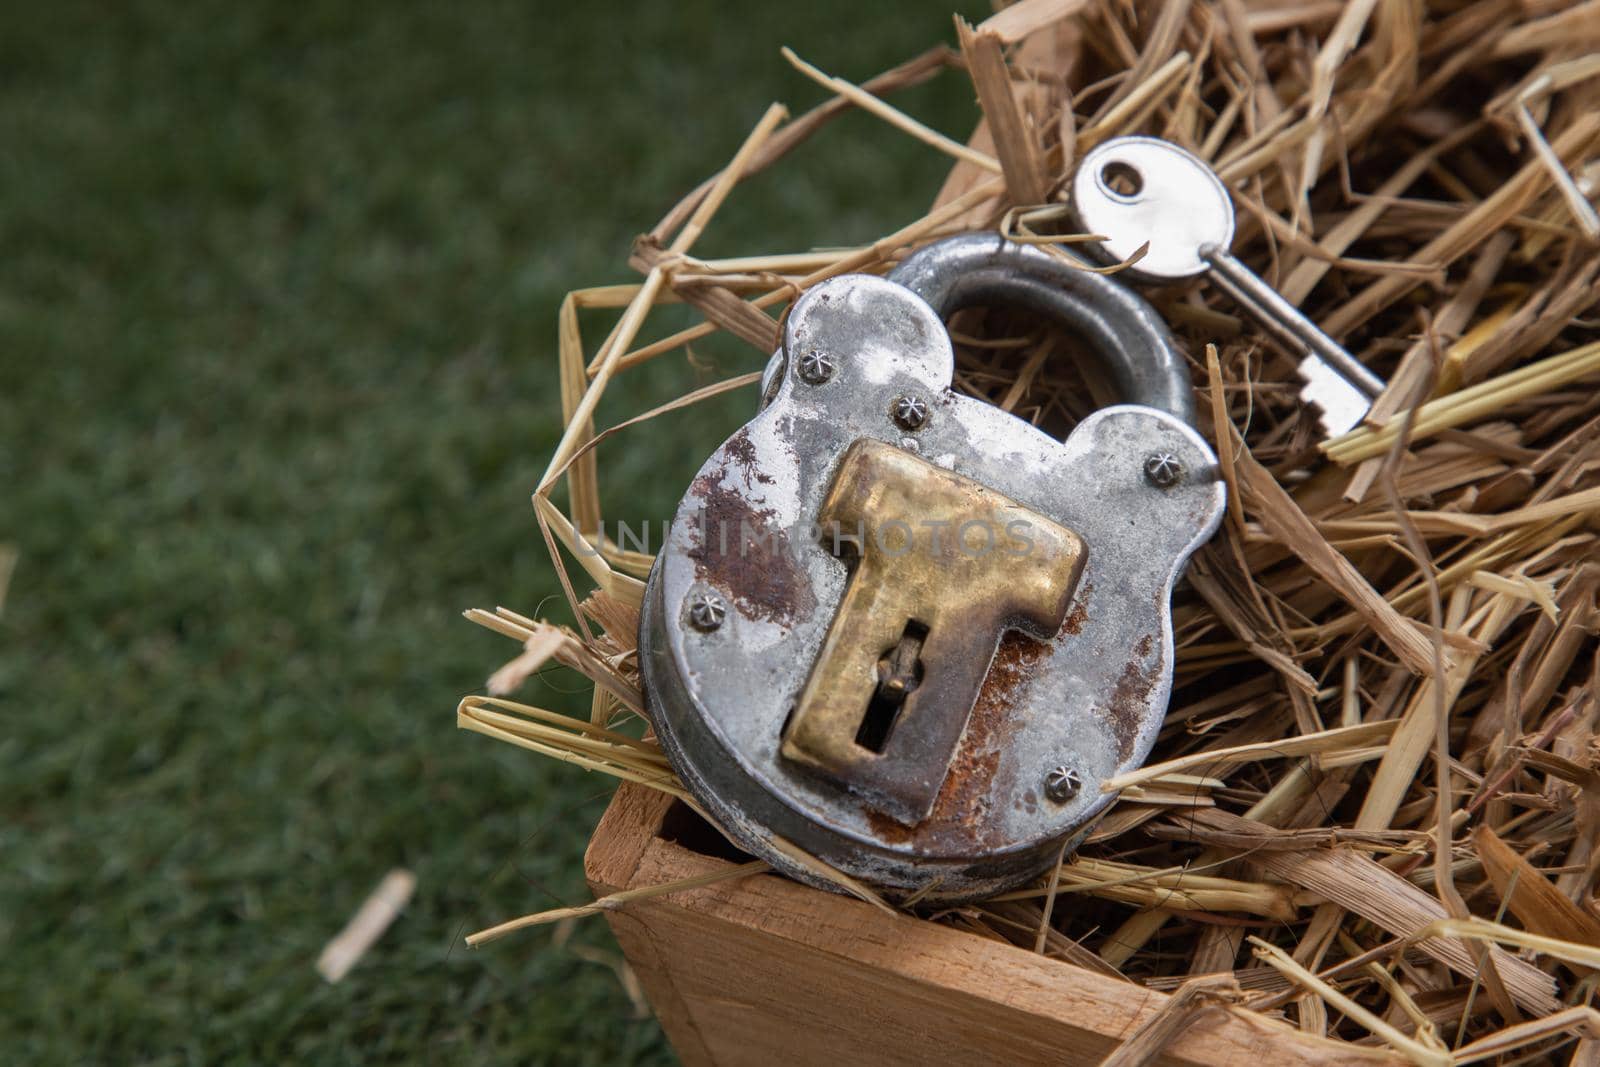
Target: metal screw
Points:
(816, 367)
(1163, 470)
(1062, 784)
(910, 412)
(706, 611)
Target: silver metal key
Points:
(1134, 190)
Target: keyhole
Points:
(899, 674)
(1121, 180)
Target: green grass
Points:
(278, 287)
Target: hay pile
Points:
(1375, 803)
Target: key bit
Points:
(1141, 190)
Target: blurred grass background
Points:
(278, 287)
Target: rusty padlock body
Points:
(1038, 709)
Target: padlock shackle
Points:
(1127, 335)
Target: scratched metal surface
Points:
(1092, 698)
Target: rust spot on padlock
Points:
(972, 788)
(742, 451)
(1126, 706)
(1079, 614)
(741, 550)
(968, 790)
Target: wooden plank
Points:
(610, 863)
(765, 970)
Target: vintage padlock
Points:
(905, 632)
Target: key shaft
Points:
(1285, 321)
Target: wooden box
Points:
(763, 970)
